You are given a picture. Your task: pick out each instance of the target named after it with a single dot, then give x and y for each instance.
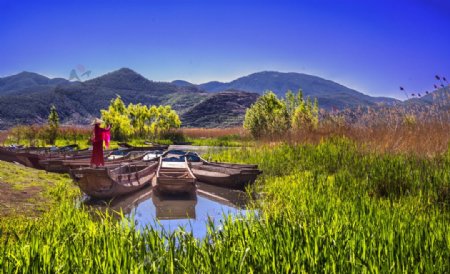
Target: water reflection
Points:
(170, 207)
(169, 213)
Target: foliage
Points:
(139, 120)
(268, 115)
(271, 116)
(318, 213)
(306, 114)
(36, 135)
(53, 125)
(117, 116)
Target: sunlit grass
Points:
(324, 208)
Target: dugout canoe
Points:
(105, 183)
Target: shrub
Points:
(268, 115)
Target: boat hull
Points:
(175, 178)
(104, 183)
(224, 175)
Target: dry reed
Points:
(213, 132)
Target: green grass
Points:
(324, 208)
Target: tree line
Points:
(127, 122)
(270, 115)
(139, 121)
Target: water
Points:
(190, 211)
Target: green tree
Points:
(117, 116)
(306, 115)
(139, 120)
(138, 115)
(293, 101)
(163, 119)
(267, 116)
(53, 123)
(270, 115)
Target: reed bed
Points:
(326, 207)
(423, 139)
(213, 132)
(3, 136)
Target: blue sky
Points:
(373, 46)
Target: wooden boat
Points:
(106, 183)
(228, 165)
(32, 157)
(174, 177)
(8, 155)
(224, 175)
(170, 207)
(22, 157)
(63, 165)
(77, 159)
(150, 146)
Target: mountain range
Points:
(25, 98)
(329, 93)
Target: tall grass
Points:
(325, 208)
(229, 137)
(37, 135)
(213, 132)
(420, 138)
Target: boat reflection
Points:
(169, 207)
(230, 197)
(192, 212)
(124, 204)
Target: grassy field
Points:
(325, 207)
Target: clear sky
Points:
(373, 46)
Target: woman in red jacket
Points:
(99, 135)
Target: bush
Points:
(270, 116)
(267, 116)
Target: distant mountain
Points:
(182, 83)
(328, 93)
(26, 98)
(127, 79)
(215, 86)
(28, 82)
(224, 109)
(79, 102)
(439, 98)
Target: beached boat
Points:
(8, 155)
(32, 156)
(26, 157)
(174, 177)
(107, 182)
(225, 175)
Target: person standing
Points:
(99, 135)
